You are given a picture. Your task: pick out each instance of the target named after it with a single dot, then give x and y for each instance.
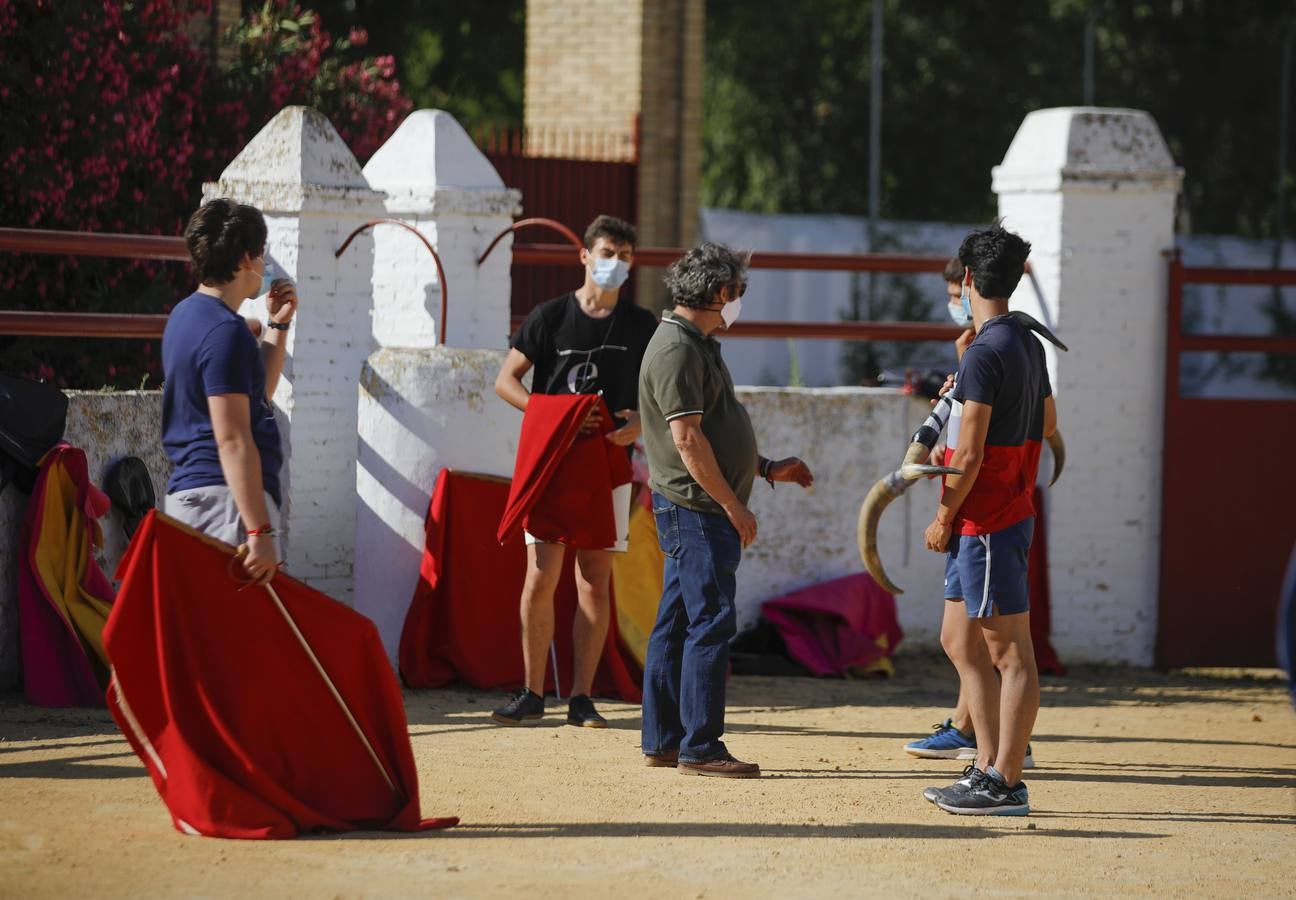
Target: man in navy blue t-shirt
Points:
(986, 519)
(218, 427)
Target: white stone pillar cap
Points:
(431, 165)
(1087, 148)
(297, 162)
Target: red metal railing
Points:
(133, 246)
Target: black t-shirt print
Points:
(574, 353)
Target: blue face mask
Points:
(267, 276)
(962, 314)
(610, 274)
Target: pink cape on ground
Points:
(835, 627)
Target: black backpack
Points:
(33, 415)
(130, 488)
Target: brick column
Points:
(423, 406)
(302, 176)
(1094, 190)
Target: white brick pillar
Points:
(1094, 191)
(302, 176)
(438, 181)
(423, 406)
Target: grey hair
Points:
(696, 277)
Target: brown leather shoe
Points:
(664, 760)
(721, 767)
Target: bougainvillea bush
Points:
(113, 114)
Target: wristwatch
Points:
(279, 326)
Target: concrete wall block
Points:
(849, 437)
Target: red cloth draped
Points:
(63, 596)
(1041, 620)
(562, 480)
(237, 726)
(846, 623)
(464, 622)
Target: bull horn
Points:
(880, 496)
(1058, 446)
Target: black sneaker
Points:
(989, 795)
(581, 711)
(970, 774)
(526, 708)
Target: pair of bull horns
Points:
(896, 483)
(879, 498)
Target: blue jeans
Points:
(688, 650)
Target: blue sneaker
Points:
(945, 742)
(988, 795)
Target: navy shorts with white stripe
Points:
(988, 572)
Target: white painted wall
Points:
(849, 437)
(1094, 191)
(420, 411)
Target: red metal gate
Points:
(1228, 501)
(570, 190)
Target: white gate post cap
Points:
(430, 164)
(1087, 148)
(297, 161)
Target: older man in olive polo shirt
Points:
(702, 459)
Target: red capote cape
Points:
(837, 625)
(463, 623)
(63, 596)
(217, 695)
(1041, 619)
(562, 480)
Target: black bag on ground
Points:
(33, 415)
(760, 651)
(130, 488)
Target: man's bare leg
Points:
(593, 614)
(544, 565)
(978, 684)
(956, 628)
(1008, 641)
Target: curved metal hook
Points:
(551, 224)
(426, 243)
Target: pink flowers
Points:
(111, 120)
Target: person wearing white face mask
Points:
(218, 426)
(587, 341)
(702, 460)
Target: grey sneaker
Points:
(989, 795)
(970, 774)
(525, 708)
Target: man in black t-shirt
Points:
(584, 342)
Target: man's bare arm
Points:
(699, 458)
(967, 456)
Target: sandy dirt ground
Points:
(1147, 784)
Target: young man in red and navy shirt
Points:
(1004, 409)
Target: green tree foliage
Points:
(466, 58)
(786, 104)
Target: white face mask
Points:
(610, 273)
(731, 311)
